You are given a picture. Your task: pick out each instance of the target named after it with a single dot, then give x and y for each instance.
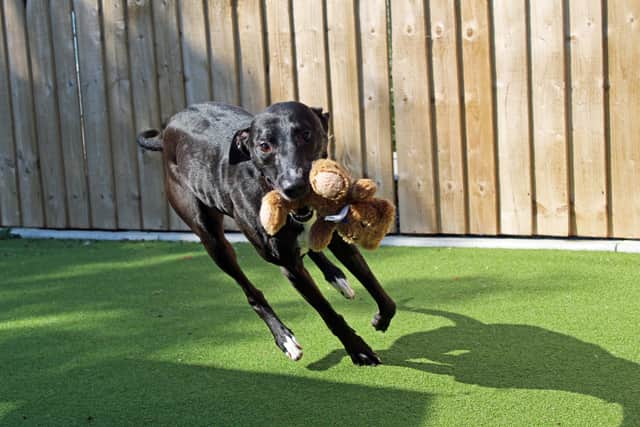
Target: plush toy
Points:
(340, 204)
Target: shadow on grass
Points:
(514, 356)
(77, 328)
(132, 392)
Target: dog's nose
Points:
(293, 189)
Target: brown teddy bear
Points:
(340, 204)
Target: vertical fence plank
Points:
(587, 98)
(279, 31)
(310, 53)
(624, 98)
(46, 108)
(416, 189)
(549, 114)
(253, 84)
(476, 57)
(169, 68)
(195, 57)
(146, 112)
(375, 96)
(343, 63)
(69, 114)
(168, 58)
(9, 197)
(224, 59)
(512, 117)
(94, 107)
(447, 110)
(121, 114)
(23, 117)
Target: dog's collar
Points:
(340, 217)
(302, 215)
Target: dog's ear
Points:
(239, 151)
(324, 117)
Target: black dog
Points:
(221, 160)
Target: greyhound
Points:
(221, 160)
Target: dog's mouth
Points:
(302, 215)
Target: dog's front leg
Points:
(350, 257)
(360, 352)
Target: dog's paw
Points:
(361, 354)
(368, 358)
(342, 285)
(380, 322)
(286, 341)
(292, 348)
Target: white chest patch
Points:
(303, 238)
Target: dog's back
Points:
(196, 146)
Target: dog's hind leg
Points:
(207, 224)
(332, 274)
(357, 348)
(350, 256)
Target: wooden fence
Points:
(512, 117)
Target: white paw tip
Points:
(341, 284)
(292, 348)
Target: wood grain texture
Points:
(76, 181)
(168, 53)
(195, 57)
(97, 133)
(624, 105)
(125, 156)
(253, 81)
(9, 195)
(512, 114)
(282, 82)
(310, 53)
(169, 71)
(452, 186)
(224, 58)
(46, 114)
(587, 99)
(549, 114)
(478, 108)
(146, 112)
(24, 125)
(343, 64)
(416, 187)
(171, 89)
(375, 96)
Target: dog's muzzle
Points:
(302, 215)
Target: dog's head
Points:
(283, 141)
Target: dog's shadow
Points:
(514, 356)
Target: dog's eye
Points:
(306, 135)
(265, 147)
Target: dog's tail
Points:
(150, 139)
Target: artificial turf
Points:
(105, 333)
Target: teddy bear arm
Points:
(273, 212)
(363, 189)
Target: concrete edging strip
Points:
(629, 246)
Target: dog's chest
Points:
(305, 235)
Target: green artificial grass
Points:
(106, 333)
